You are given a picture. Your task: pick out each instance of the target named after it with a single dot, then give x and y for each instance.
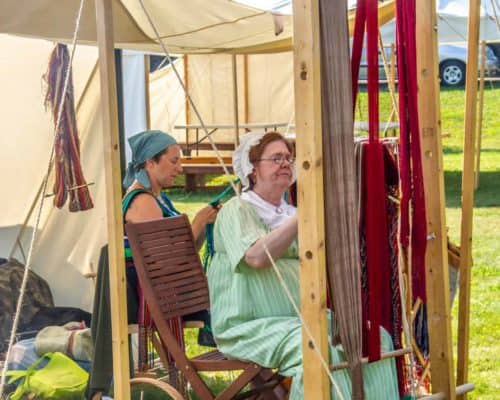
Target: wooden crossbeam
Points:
(364, 360)
(460, 391)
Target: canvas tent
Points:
(452, 18)
(219, 26)
(68, 244)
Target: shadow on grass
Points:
(488, 85)
(488, 194)
(459, 150)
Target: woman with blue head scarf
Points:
(156, 161)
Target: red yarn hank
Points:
(69, 179)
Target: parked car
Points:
(453, 59)
(452, 64)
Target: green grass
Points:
(485, 286)
(485, 290)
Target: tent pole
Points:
(310, 194)
(146, 90)
(186, 102)
(121, 115)
(467, 193)
(436, 260)
(104, 21)
(245, 86)
(234, 65)
(480, 116)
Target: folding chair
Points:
(174, 285)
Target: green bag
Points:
(60, 379)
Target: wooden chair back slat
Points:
(180, 293)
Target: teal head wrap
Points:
(145, 145)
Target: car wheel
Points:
(452, 73)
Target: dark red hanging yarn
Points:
(377, 242)
(410, 161)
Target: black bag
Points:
(55, 316)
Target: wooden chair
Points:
(174, 285)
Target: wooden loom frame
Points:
(311, 231)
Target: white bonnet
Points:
(241, 157)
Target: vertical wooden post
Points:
(147, 95)
(438, 298)
(104, 14)
(186, 101)
(467, 193)
(234, 65)
(392, 77)
(310, 194)
(480, 115)
(245, 86)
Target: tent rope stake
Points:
(27, 267)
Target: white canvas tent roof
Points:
(188, 26)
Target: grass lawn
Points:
(485, 307)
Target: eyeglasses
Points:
(279, 159)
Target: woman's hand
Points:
(207, 215)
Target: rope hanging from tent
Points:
(342, 240)
(27, 268)
(69, 179)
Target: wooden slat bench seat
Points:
(195, 173)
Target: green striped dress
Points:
(253, 319)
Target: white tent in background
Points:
(452, 22)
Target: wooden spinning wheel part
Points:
(165, 387)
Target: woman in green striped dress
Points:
(252, 316)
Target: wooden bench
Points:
(195, 169)
(187, 148)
